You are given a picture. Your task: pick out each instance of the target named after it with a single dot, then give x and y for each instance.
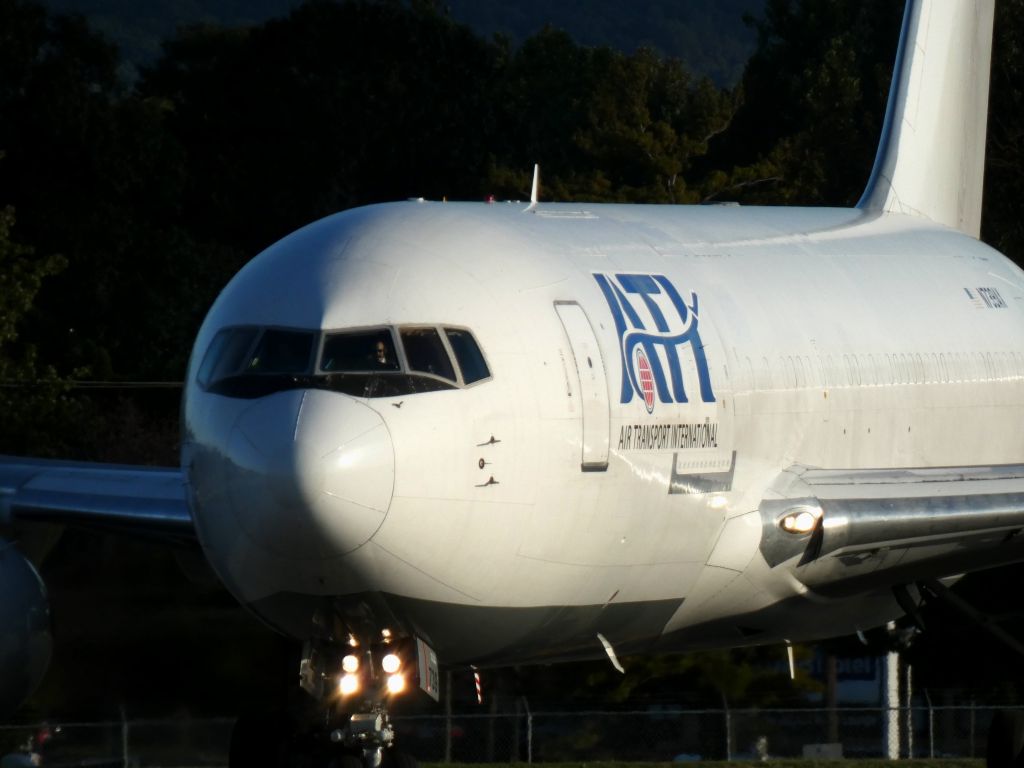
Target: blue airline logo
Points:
(653, 323)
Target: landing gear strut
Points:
(370, 732)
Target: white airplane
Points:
(432, 433)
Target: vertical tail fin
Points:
(931, 157)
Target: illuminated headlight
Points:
(350, 663)
(396, 683)
(800, 520)
(390, 664)
(349, 684)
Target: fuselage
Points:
(650, 371)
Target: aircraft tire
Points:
(1005, 747)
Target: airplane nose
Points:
(310, 473)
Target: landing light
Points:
(396, 684)
(350, 663)
(718, 502)
(390, 664)
(801, 520)
(349, 684)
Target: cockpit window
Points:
(424, 351)
(226, 354)
(468, 354)
(250, 362)
(360, 351)
(281, 351)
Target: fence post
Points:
(492, 721)
(831, 698)
(891, 697)
(931, 725)
(972, 726)
(728, 728)
(124, 737)
(517, 727)
(529, 731)
(909, 720)
(448, 716)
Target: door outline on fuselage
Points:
(591, 386)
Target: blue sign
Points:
(653, 324)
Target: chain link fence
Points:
(659, 735)
(705, 734)
(124, 744)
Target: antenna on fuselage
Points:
(534, 188)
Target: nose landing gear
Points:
(346, 722)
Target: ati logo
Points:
(653, 323)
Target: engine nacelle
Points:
(25, 640)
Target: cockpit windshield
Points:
(471, 359)
(425, 352)
(359, 351)
(281, 351)
(248, 361)
(226, 354)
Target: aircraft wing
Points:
(865, 529)
(137, 500)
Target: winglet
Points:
(931, 157)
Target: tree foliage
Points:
(27, 416)
(21, 276)
(1001, 224)
(95, 177)
(731, 677)
(611, 127)
(814, 96)
(707, 35)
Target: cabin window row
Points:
(880, 369)
(251, 361)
